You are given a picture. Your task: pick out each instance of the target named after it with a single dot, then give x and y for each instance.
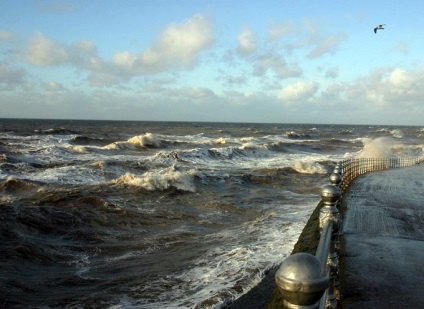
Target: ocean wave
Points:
(55, 131)
(386, 147)
(305, 147)
(293, 134)
(305, 167)
(85, 140)
(397, 133)
(77, 148)
(246, 151)
(107, 202)
(147, 140)
(161, 180)
(229, 271)
(12, 185)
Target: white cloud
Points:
(247, 42)
(178, 47)
(388, 88)
(52, 86)
(124, 60)
(329, 45)
(275, 63)
(43, 51)
(10, 77)
(332, 72)
(298, 92)
(403, 86)
(6, 35)
(280, 30)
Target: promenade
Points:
(382, 246)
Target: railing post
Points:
(336, 179)
(330, 196)
(301, 282)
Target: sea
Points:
(133, 214)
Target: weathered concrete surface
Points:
(382, 246)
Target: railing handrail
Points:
(307, 280)
(354, 167)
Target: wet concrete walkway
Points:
(382, 246)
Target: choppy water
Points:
(103, 214)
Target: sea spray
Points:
(386, 147)
(377, 148)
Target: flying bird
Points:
(379, 27)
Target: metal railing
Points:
(306, 280)
(352, 168)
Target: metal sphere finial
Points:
(300, 280)
(337, 169)
(330, 194)
(335, 179)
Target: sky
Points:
(272, 61)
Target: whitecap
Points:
(160, 180)
(306, 167)
(139, 141)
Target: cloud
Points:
(332, 72)
(280, 30)
(386, 88)
(233, 80)
(329, 45)
(402, 86)
(333, 93)
(6, 35)
(402, 47)
(10, 77)
(178, 47)
(298, 92)
(274, 63)
(43, 51)
(52, 86)
(191, 95)
(247, 42)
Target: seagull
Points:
(379, 27)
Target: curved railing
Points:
(306, 280)
(352, 168)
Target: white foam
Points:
(377, 148)
(385, 147)
(240, 262)
(139, 141)
(76, 149)
(160, 180)
(397, 133)
(309, 167)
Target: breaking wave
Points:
(161, 180)
(386, 147)
(305, 167)
(147, 140)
